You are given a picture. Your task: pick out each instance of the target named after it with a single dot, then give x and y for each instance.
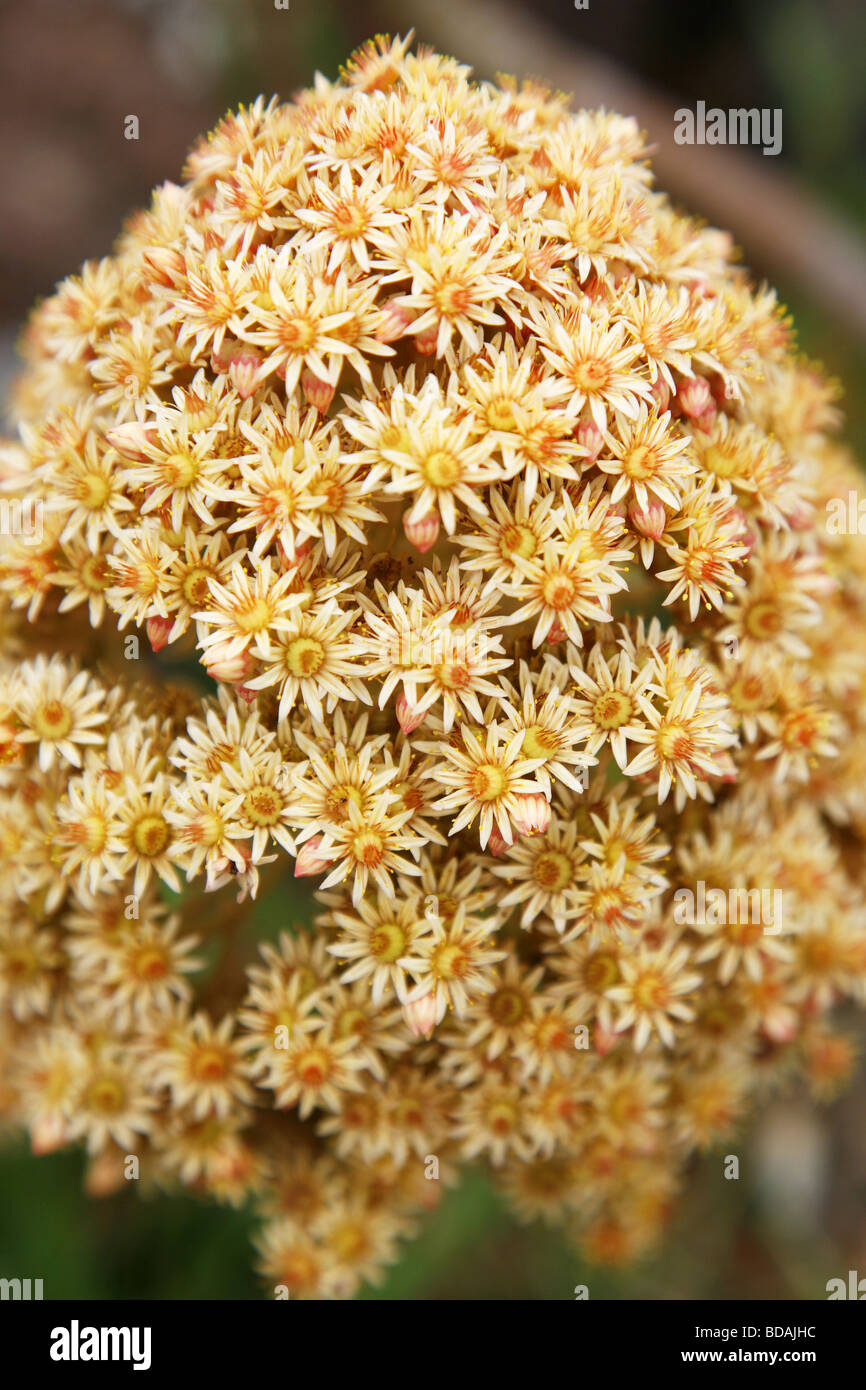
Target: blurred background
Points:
(69, 75)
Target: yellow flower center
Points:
(352, 1023)
(388, 943)
(650, 992)
(452, 675)
(52, 720)
(612, 709)
(195, 587)
(368, 848)
(263, 806)
(337, 797)
(673, 742)
(348, 220)
(507, 1007)
(210, 1064)
(450, 962)
(313, 1068)
(640, 462)
(150, 836)
(500, 414)
(553, 871)
(181, 470)
(590, 376)
(601, 972)
(538, 742)
(558, 591)
(150, 964)
(441, 469)
(718, 462)
(106, 1095)
(502, 1118)
(452, 297)
(254, 617)
(488, 782)
(93, 491)
(304, 657)
(763, 620)
(95, 573)
(518, 540)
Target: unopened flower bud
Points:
(695, 398)
(165, 266)
(532, 816)
(649, 521)
(422, 533)
(497, 844)
(309, 860)
(420, 1015)
(130, 439)
(318, 393)
(604, 1039)
(589, 436)
(221, 666)
(157, 632)
(245, 372)
(48, 1134)
(408, 716)
(395, 319)
(426, 342)
(104, 1175)
(661, 393)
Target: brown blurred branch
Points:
(777, 221)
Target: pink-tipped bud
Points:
(426, 342)
(246, 694)
(309, 860)
(649, 521)
(661, 393)
(497, 844)
(222, 667)
(420, 1015)
(801, 516)
(245, 373)
(532, 816)
(604, 1040)
(157, 632)
(164, 266)
(589, 436)
(48, 1134)
(130, 440)
(408, 716)
(104, 1175)
(394, 321)
(782, 1029)
(423, 533)
(695, 398)
(557, 633)
(318, 393)
(290, 559)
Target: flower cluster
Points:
(430, 511)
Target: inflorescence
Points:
(489, 498)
